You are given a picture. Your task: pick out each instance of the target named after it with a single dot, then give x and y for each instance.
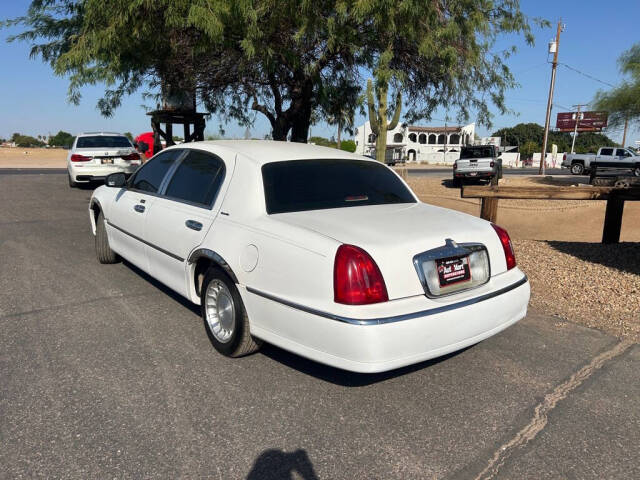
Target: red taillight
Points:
(356, 278)
(509, 255)
(80, 158)
(564, 157)
(455, 165)
(131, 156)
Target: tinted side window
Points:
(621, 152)
(150, 175)
(197, 179)
(606, 151)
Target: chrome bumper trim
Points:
(395, 318)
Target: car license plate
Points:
(473, 174)
(107, 161)
(453, 270)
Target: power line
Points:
(587, 75)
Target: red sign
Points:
(588, 121)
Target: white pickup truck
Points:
(477, 162)
(608, 157)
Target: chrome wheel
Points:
(220, 311)
(577, 169)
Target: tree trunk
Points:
(339, 132)
(300, 129)
(280, 128)
(300, 108)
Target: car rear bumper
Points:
(474, 173)
(420, 328)
(91, 173)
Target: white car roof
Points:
(266, 151)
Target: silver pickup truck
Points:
(608, 157)
(477, 162)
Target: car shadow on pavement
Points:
(621, 256)
(162, 287)
(341, 377)
(291, 360)
(276, 464)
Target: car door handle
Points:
(139, 208)
(193, 225)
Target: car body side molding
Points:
(215, 258)
(162, 250)
(395, 318)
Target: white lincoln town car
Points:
(324, 253)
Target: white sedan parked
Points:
(95, 155)
(324, 253)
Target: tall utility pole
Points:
(575, 129)
(554, 66)
(624, 135)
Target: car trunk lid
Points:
(394, 234)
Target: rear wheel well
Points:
(205, 259)
(95, 208)
(202, 265)
(581, 162)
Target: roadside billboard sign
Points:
(587, 122)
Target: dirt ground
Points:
(33, 158)
(559, 220)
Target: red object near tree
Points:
(145, 139)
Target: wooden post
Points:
(613, 219)
(489, 209)
(187, 135)
(157, 143)
(169, 131)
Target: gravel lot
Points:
(573, 276)
(590, 283)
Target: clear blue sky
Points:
(33, 100)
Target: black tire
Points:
(104, 254)
(636, 172)
(577, 169)
(72, 184)
(240, 342)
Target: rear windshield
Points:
(300, 185)
(103, 141)
(476, 152)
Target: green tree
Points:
(125, 44)
(129, 135)
(61, 139)
(623, 102)
(283, 59)
(26, 141)
(348, 146)
(441, 53)
(529, 148)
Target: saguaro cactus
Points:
(378, 117)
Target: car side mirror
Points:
(116, 180)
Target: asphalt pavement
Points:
(105, 373)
